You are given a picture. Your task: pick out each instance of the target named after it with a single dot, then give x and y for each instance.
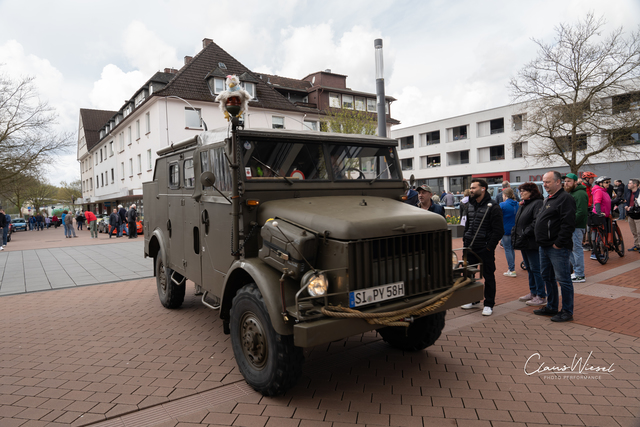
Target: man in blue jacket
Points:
(553, 229)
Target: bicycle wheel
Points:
(618, 241)
(600, 247)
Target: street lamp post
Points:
(382, 115)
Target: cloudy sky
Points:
(442, 57)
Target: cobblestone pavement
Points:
(111, 355)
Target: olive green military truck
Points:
(299, 239)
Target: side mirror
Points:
(208, 179)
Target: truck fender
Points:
(243, 272)
(157, 243)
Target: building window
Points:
(96, 163)
(625, 102)
(192, 118)
(130, 167)
(189, 176)
(111, 149)
(137, 129)
(433, 161)
(491, 127)
(122, 170)
(277, 122)
(519, 150)
(564, 142)
(101, 155)
(106, 178)
(220, 85)
(371, 105)
(121, 137)
(407, 164)
(517, 121)
(250, 88)
(113, 175)
(457, 133)
(139, 99)
(347, 102)
(457, 184)
(102, 180)
(430, 138)
(406, 142)
(147, 119)
(128, 132)
(334, 100)
(458, 158)
(311, 125)
(625, 136)
(139, 163)
(90, 183)
(148, 159)
(360, 104)
(496, 153)
(128, 110)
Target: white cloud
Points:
(146, 51)
(114, 87)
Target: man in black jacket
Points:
(553, 229)
(132, 217)
(482, 232)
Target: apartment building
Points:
(446, 154)
(117, 149)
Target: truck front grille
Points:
(421, 261)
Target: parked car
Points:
(19, 224)
(107, 227)
(102, 222)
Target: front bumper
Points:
(322, 331)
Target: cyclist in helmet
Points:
(601, 202)
(587, 179)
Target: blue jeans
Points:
(531, 260)
(66, 230)
(555, 265)
(509, 252)
(577, 255)
(5, 235)
(121, 229)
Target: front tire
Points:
(600, 248)
(171, 295)
(618, 241)
(420, 334)
(269, 362)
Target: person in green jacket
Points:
(579, 193)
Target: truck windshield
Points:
(283, 160)
(358, 162)
(293, 161)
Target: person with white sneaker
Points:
(579, 194)
(482, 232)
(509, 208)
(523, 238)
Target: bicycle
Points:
(603, 240)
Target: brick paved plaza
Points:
(111, 355)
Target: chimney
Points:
(171, 70)
(328, 70)
(206, 42)
(187, 59)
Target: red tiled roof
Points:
(287, 83)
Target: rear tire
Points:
(269, 362)
(170, 294)
(420, 334)
(600, 248)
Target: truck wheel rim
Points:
(253, 338)
(163, 278)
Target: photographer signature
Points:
(576, 365)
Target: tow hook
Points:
(409, 319)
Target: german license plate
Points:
(377, 294)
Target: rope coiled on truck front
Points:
(393, 318)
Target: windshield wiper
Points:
(271, 170)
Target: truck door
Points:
(190, 223)
(215, 221)
(175, 226)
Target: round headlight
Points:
(317, 283)
(454, 259)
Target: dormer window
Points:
(250, 87)
(140, 98)
(150, 89)
(128, 110)
(220, 85)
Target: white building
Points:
(117, 149)
(446, 154)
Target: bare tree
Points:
(42, 194)
(580, 97)
(69, 193)
(27, 138)
(16, 190)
